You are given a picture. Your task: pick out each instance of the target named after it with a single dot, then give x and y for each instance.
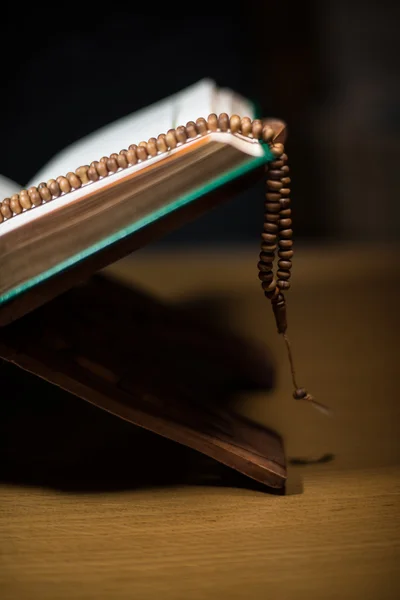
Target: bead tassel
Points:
(277, 236)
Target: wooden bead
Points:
(267, 133)
(112, 165)
(235, 124)
(54, 188)
(191, 129)
(162, 145)
(25, 200)
(82, 173)
(285, 203)
(286, 244)
(285, 169)
(202, 126)
(284, 158)
(285, 191)
(5, 209)
(275, 174)
(171, 138)
(223, 122)
(92, 172)
(1, 217)
(266, 251)
(272, 217)
(122, 159)
(270, 238)
(286, 233)
(277, 149)
(273, 197)
(267, 246)
(280, 300)
(35, 197)
(141, 151)
(273, 207)
(266, 277)
(212, 122)
(152, 147)
(274, 185)
(284, 214)
(273, 294)
(264, 268)
(268, 287)
(15, 204)
(285, 254)
(44, 192)
(277, 164)
(283, 284)
(271, 227)
(285, 180)
(131, 155)
(64, 184)
(256, 129)
(283, 274)
(101, 168)
(286, 265)
(245, 126)
(74, 181)
(267, 257)
(285, 223)
(181, 134)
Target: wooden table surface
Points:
(335, 534)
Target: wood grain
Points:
(336, 534)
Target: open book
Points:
(81, 212)
(94, 203)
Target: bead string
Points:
(108, 165)
(277, 235)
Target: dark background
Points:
(329, 69)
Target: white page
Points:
(149, 122)
(8, 187)
(197, 100)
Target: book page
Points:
(148, 122)
(225, 100)
(8, 187)
(200, 99)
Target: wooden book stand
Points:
(154, 366)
